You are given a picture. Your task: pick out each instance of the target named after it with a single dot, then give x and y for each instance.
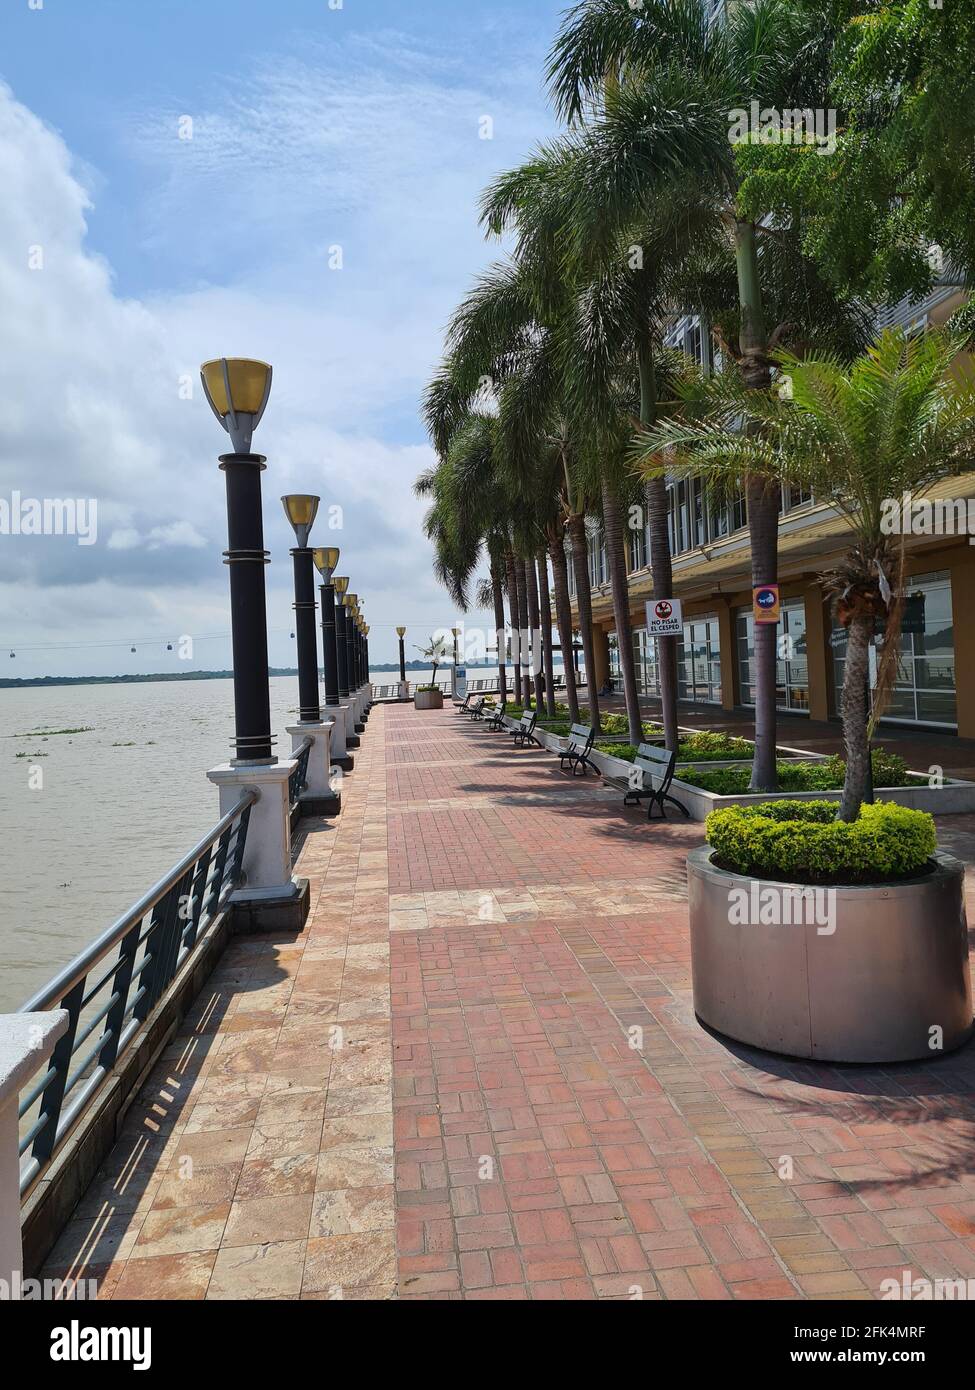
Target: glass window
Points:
(636, 549)
(924, 688)
(792, 660)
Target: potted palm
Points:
(429, 696)
(836, 936)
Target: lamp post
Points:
(326, 558)
(317, 796)
(341, 586)
(455, 631)
(237, 390)
(301, 510)
(351, 605)
(401, 634)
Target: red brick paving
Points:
(541, 1155)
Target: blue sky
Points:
(311, 128)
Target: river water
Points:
(114, 809)
(89, 821)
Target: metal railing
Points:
(106, 1007)
(298, 778)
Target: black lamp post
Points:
(351, 604)
(401, 634)
(237, 390)
(326, 558)
(341, 584)
(301, 511)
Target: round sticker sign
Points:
(766, 598)
(663, 609)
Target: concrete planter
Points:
(428, 699)
(857, 974)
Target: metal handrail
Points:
(50, 995)
(105, 1017)
(299, 777)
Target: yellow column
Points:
(729, 655)
(817, 636)
(963, 603)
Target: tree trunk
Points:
(616, 550)
(498, 592)
(855, 716)
(580, 568)
(526, 659)
(545, 624)
(661, 569)
(763, 508)
(512, 572)
(531, 588)
(563, 616)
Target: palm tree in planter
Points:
(435, 652)
(896, 421)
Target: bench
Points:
(496, 721)
(465, 706)
(524, 731)
(577, 750)
(650, 764)
(476, 708)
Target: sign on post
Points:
(765, 603)
(664, 617)
(460, 682)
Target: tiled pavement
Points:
(507, 950)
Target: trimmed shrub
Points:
(803, 842)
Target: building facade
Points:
(935, 685)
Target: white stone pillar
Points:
(267, 852)
(320, 796)
(26, 1041)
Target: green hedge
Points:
(803, 842)
(888, 771)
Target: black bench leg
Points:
(674, 802)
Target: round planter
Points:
(857, 974)
(428, 699)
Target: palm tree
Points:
(498, 338)
(664, 116)
(896, 421)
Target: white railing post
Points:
(26, 1042)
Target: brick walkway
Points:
(509, 949)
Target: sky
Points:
(295, 181)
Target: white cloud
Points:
(388, 163)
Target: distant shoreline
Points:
(34, 681)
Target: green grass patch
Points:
(888, 771)
(50, 733)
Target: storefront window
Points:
(924, 688)
(699, 661)
(792, 663)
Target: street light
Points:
(341, 584)
(237, 391)
(326, 558)
(301, 510)
(401, 634)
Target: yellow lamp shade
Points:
(341, 583)
(401, 632)
(249, 382)
(365, 629)
(326, 558)
(237, 389)
(351, 600)
(300, 508)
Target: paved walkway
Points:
(477, 1074)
